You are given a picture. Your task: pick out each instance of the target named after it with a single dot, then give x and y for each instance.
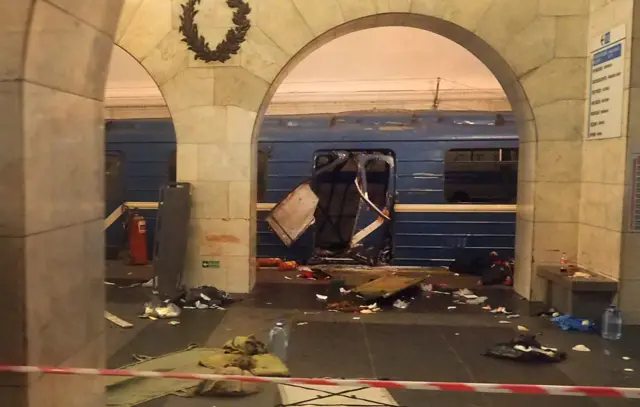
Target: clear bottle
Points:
(279, 341)
(612, 323)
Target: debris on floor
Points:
(343, 306)
(522, 328)
(287, 278)
(287, 265)
(240, 356)
(628, 370)
(569, 323)
(387, 286)
(581, 348)
(117, 321)
(504, 322)
(437, 289)
(550, 313)
(500, 310)
(452, 307)
(165, 310)
(321, 297)
(313, 274)
(401, 304)
(526, 348)
(174, 323)
(204, 297)
(302, 323)
(626, 358)
(491, 268)
(268, 262)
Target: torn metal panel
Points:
(295, 214)
(369, 237)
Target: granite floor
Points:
(427, 341)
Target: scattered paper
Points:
(457, 334)
(512, 316)
(626, 358)
(302, 323)
(321, 297)
(287, 278)
(356, 318)
(581, 348)
(366, 311)
(477, 301)
(487, 307)
(452, 307)
(505, 322)
(523, 328)
(174, 323)
(628, 370)
(343, 291)
(311, 313)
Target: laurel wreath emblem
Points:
(229, 46)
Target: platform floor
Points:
(427, 341)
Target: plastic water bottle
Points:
(279, 341)
(612, 323)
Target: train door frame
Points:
(115, 202)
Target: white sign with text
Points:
(606, 85)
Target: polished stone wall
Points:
(53, 66)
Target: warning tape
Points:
(546, 390)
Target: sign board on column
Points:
(210, 264)
(606, 85)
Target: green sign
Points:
(210, 264)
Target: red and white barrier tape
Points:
(550, 390)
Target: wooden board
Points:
(118, 321)
(386, 286)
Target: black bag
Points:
(526, 348)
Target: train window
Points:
(481, 175)
(263, 167)
(172, 168)
(113, 177)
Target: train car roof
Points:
(384, 125)
(386, 118)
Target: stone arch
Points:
(538, 58)
(497, 64)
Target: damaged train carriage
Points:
(351, 211)
(410, 189)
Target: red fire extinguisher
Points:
(138, 239)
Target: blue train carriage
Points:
(140, 159)
(452, 177)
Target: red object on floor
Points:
(269, 262)
(288, 265)
(138, 239)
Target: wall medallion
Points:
(229, 46)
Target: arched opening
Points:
(140, 159)
(460, 210)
